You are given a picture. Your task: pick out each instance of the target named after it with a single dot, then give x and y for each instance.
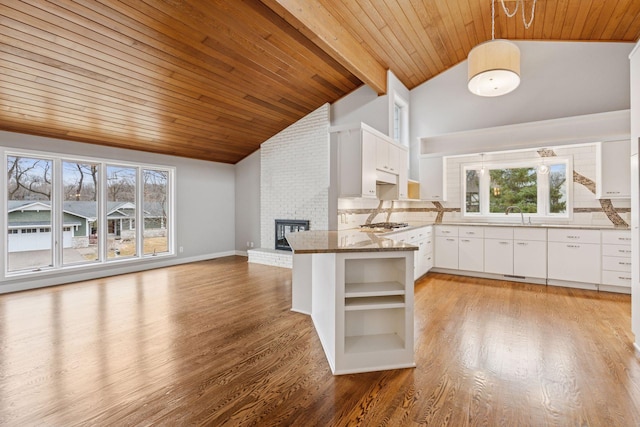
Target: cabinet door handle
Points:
(624, 251)
(504, 243)
(624, 263)
(624, 278)
(465, 240)
(451, 240)
(445, 232)
(624, 239)
(574, 246)
(522, 243)
(573, 237)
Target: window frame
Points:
(543, 188)
(57, 214)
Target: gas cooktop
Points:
(383, 226)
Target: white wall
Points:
(559, 79)
(363, 105)
(205, 207)
(247, 173)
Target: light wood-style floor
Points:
(214, 343)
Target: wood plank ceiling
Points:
(212, 80)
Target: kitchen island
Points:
(358, 289)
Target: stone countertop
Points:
(316, 242)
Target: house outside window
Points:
(542, 192)
(89, 205)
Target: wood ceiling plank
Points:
(559, 19)
(580, 19)
(436, 45)
(313, 20)
(143, 59)
(600, 23)
(427, 49)
(625, 14)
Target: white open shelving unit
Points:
(371, 327)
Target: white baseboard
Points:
(242, 253)
(78, 274)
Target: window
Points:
(154, 208)
(121, 211)
(90, 206)
(400, 117)
(491, 188)
(80, 186)
(29, 195)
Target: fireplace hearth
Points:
(284, 226)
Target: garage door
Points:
(35, 239)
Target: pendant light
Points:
(494, 66)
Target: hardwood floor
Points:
(214, 343)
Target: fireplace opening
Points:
(284, 226)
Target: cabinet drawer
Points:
(616, 237)
(447, 230)
(616, 278)
(616, 264)
(498, 233)
(470, 231)
(616, 250)
(574, 236)
(527, 233)
(419, 234)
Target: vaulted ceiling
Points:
(212, 80)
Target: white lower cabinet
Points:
(530, 252)
(574, 255)
(446, 247)
(498, 250)
(616, 259)
(470, 254)
(422, 238)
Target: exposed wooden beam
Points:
(313, 20)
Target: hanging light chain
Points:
(533, 11)
(512, 14)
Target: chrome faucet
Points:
(510, 208)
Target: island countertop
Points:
(318, 241)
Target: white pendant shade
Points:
(494, 68)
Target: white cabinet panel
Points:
(471, 231)
(616, 264)
(613, 170)
(530, 258)
(573, 235)
(498, 256)
(432, 182)
(470, 254)
(575, 262)
(446, 252)
(616, 278)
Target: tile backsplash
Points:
(587, 209)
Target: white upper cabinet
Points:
(387, 155)
(370, 164)
(432, 179)
(613, 170)
(356, 163)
